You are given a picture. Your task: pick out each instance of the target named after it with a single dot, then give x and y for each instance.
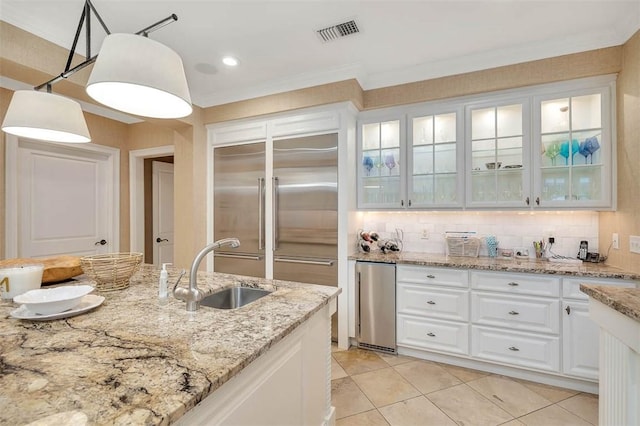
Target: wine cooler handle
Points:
(260, 213)
(275, 214)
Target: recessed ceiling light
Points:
(230, 61)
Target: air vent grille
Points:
(338, 31)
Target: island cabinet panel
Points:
(288, 385)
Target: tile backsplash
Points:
(424, 231)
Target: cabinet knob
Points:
(431, 302)
(527, 201)
(513, 284)
(514, 313)
(537, 201)
(513, 348)
(568, 309)
(431, 335)
(409, 203)
(431, 276)
(402, 203)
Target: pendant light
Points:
(137, 75)
(140, 76)
(45, 116)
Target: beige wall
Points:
(626, 220)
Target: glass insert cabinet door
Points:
(381, 164)
(497, 161)
(573, 156)
(434, 160)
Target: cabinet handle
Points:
(514, 313)
(527, 200)
(537, 201)
(409, 203)
(568, 309)
(513, 284)
(513, 348)
(431, 335)
(431, 276)
(402, 203)
(431, 302)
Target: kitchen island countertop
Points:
(133, 361)
(527, 265)
(624, 300)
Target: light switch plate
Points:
(615, 241)
(634, 244)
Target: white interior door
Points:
(162, 187)
(65, 201)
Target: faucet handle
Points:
(184, 271)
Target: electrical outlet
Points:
(615, 241)
(425, 234)
(634, 244)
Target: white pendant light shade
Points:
(45, 116)
(140, 76)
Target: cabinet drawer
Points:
(516, 312)
(516, 348)
(536, 285)
(444, 336)
(571, 286)
(447, 277)
(434, 302)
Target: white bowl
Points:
(47, 301)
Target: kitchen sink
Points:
(233, 297)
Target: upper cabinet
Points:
(498, 144)
(573, 152)
(546, 147)
(381, 163)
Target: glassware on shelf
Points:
(552, 150)
(390, 162)
(564, 150)
(588, 147)
(367, 162)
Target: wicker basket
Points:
(111, 271)
(463, 246)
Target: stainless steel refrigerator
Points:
(304, 199)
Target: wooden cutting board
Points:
(58, 268)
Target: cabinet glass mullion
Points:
(434, 159)
(380, 169)
(497, 150)
(571, 146)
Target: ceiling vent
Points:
(337, 31)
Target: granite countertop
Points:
(528, 265)
(624, 300)
(133, 361)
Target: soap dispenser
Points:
(162, 284)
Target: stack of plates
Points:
(55, 303)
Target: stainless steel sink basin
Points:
(233, 297)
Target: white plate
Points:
(87, 303)
(49, 301)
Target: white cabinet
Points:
(411, 159)
(580, 334)
(573, 160)
(498, 144)
(542, 147)
(433, 308)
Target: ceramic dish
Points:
(88, 302)
(47, 301)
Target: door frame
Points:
(12, 143)
(136, 192)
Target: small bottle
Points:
(584, 249)
(162, 284)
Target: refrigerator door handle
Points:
(275, 214)
(306, 262)
(260, 213)
(238, 256)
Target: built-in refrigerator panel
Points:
(305, 198)
(239, 207)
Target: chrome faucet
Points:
(193, 295)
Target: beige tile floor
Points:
(373, 389)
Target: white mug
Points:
(19, 279)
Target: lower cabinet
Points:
(536, 323)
